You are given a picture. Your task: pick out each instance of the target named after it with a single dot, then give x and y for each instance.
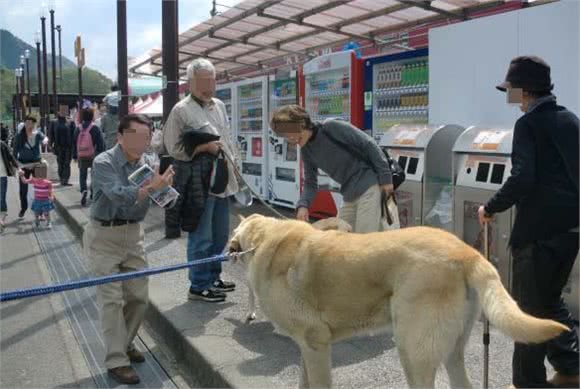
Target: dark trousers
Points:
(173, 214)
(3, 191)
(84, 166)
(63, 158)
(24, 190)
(541, 270)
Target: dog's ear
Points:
(241, 218)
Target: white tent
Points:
(137, 105)
(153, 109)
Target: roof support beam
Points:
(224, 24)
(305, 14)
(399, 27)
(426, 5)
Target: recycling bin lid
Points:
(415, 136)
(485, 140)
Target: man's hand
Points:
(483, 216)
(211, 147)
(388, 189)
(160, 181)
(302, 214)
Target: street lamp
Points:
(39, 75)
(43, 9)
(27, 57)
(59, 29)
(22, 86)
(52, 6)
(20, 115)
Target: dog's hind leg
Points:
(455, 364)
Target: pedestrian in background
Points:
(8, 168)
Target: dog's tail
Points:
(502, 311)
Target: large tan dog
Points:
(425, 284)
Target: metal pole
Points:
(39, 75)
(122, 72)
(22, 92)
(485, 321)
(53, 52)
(80, 88)
(45, 77)
(28, 84)
(169, 38)
(17, 97)
(59, 29)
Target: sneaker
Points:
(210, 296)
(66, 184)
(223, 286)
(21, 213)
(84, 198)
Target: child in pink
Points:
(43, 197)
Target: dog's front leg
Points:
(316, 366)
(303, 375)
(252, 302)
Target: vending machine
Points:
(332, 89)
(396, 91)
(284, 158)
(251, 125)
(225, 92)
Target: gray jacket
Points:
(353, 174)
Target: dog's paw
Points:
(251, 317)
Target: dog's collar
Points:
(237, 254)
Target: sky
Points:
(95, 21)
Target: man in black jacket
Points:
(544, 188)
(61, 142)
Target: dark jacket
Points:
(192, 181)
(544, 179)
(8, 159)
(96, 135)
(62, 134)
(26, 154)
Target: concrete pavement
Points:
(38, 348)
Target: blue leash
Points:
(44, 290)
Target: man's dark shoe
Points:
(84, 198)
(564, 381)
(223, 286)
(66, 184)
(21, 213)
(172, 234)
(210, 296)
(135, 356)
(124, 375)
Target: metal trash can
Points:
(424, 152)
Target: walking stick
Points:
(485, 321)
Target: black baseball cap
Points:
(530, 73)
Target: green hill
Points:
(10, 50)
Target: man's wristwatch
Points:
(486, 213)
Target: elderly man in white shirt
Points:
(200, 211)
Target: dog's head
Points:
(332, 223)
(245, 236)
